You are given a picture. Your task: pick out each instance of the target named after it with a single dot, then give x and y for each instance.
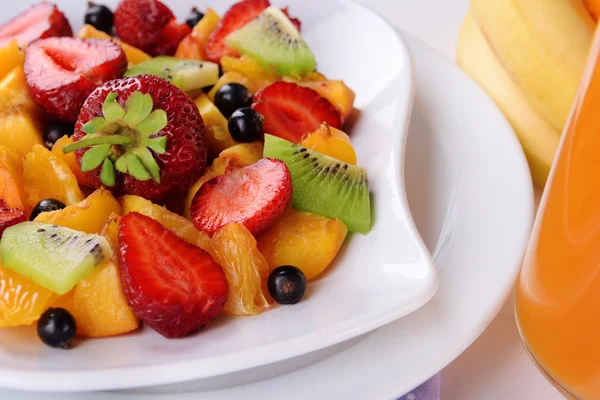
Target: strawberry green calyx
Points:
(124, 139)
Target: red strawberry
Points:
(238, 15)
(170, 37)
(254, 196)
(292, 111)
(293, 20)
(170, 284)
(10, 216)
(40, 21)
(62, 72)
(150, 26)
(152, 138)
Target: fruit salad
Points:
(167, 172)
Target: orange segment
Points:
(111, 233)
(243, 154)
(133, 54)
(47, 176)
(246, 270)
(176, 223)
(333, 142)
(65, 301)
(89, 215)
(12, 56)
(19, 129)
(305, 240)
(69, 158)
(99, 305)
(22, 301)
(249, 67)
(192, 46)
(11, 179)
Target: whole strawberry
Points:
(141, 136)
(62, 71)
(149, 25)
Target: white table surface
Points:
(495, 367)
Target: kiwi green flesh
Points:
(324, 185)
(275, 43)
(54, 257)
(187, 75)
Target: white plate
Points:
(470, 191)
(378, 278)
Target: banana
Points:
(543, 44)
(537, 136)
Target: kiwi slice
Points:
(324, 185)
(275, 43)
(54, 257)
(187, 75)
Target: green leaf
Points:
(92, 141)
(121, 164)
(149, 162)
(107, 174)
(136, 168)
(95, 125)
(154, 123)
(112, 110)
(158, 144)
(139, 106)
(94, 157)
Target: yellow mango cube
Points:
(19, 130)
(14, 91)
(12, 56)
(217, 135)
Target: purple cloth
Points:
(430, 390)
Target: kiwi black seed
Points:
(324, 185)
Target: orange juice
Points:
(558, 294)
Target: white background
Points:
(496, 367)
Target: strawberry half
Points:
(10, 216)
(62, 72)
(171, 285)
(292, 112)
(254, 196)
(235, 18)
(150, 26)
(170, 37)
(40, 21)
